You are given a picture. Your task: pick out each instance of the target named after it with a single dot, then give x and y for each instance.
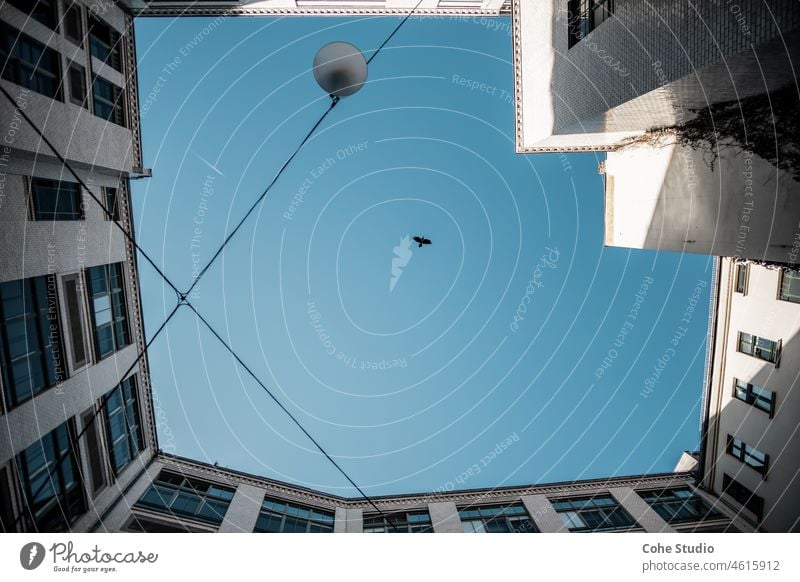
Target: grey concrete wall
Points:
(27, 423)
(243, 511)
(543, 514)
(444, 517)
(118, 517)
(640, 510)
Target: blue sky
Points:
(515, 349)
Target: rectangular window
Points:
(598, 513)
(29, 63)
(31, 354)
(93, 448)
(109, 102)
(278, 516)
(104, 43)
(583, 16)
(755, 395)
(73, 24)
(42, 10)
(123, 424)
(109, 312)
(749, 455)
(741, 278)
(49, 473)
(743, 495)
(55, 200)
(110, 195)
(77, 85)
(790, 286)
(72, 286)
(758, 347)
(411, 522)
(187, 497)
(679, 505)
(497, 519)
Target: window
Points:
(110, 196)
(108, 101)
(123, 424)
(50, 479)
(109, 313)
(747, 454)
(55, 200)
(104, 43)
(679, 505)
(29, 63)
(413, 522)
(790, 286)
(42, 10)
(758, 347)
(497, 519)
(598, 513)
(583, 16)
(77, 85)
(187, 497)
(743, 495)
(741, 278)
(72, 286)
(93, 447)
(755, 395)
(73, 24)
(31, 354)
(280, 516)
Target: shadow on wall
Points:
(778, 437)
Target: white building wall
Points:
(638, 69)
(757, 312)
(669, 198)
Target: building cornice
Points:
(398, 502)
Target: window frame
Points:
(487, 514)
(76, 8)
(116, 104)
(32, 518)
(781, 277)
(662, 500)
(755, 349)
(76, 67)
(751, 397)
(398, 522)
(113, 208)
(741, 277)
(743, 452)
(578, 511)
(582, 18)
(176, 485)
(81, 311)
(112, 44)
(736, 491)
(42, 317)
(324, 523)
(14, 64)
(33, 194)
(124, 319)
(128, 405)
(39, 7)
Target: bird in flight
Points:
(422, 240)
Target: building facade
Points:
(179, 494)
(75, 409)
(79, 450)
(317, 7)
(590, 74)
(751, 439)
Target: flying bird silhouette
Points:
(422, 240)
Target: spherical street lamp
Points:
(340, 69)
